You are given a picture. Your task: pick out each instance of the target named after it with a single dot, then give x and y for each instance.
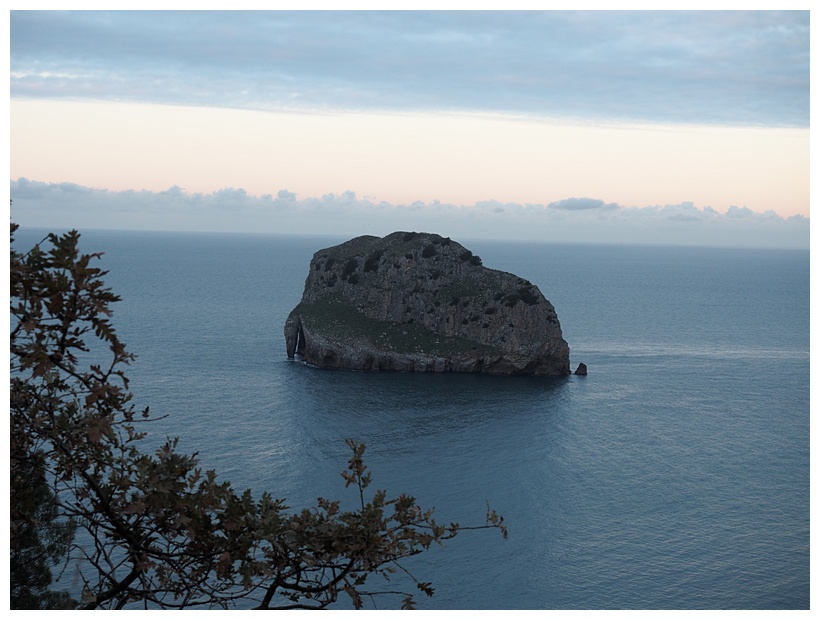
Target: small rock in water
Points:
(581, 370)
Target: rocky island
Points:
(421, 302)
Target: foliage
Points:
(38, 539)
(468, 256)
(336, 319)
(155, 530)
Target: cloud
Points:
(739, 212)
(581, 204)
(731, 67)
(587, 220)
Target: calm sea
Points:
(675, 475)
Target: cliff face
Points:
(421, 302)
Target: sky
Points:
(684, 127)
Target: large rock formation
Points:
(421, 302)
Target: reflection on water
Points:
(413, 406)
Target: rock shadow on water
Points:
(394, 408)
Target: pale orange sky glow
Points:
(402, 158)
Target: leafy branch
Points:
(155, 529)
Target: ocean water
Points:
(674, 476)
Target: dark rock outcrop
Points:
(422, 302)
(581, 370)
